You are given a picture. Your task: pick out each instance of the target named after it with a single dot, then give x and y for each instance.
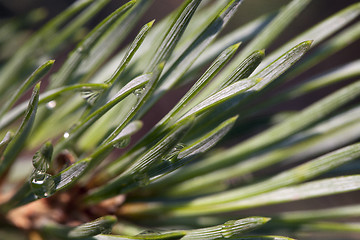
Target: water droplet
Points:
(149, 231)
(179, 146)
(51, 105)
(104, 230)
(139, 91)
(90, 95)
(173, 153)
(81, 50)
(40, 163)
(142, 179)
(66, 135)
(42, 158)
(42, 184)
(227, 229)
(122, 143)
(38, 178)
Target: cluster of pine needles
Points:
(224, 163)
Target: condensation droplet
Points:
(227, 229)
(90, 95)
(38, 178)
(142, 179)
(51, 105)
(83, 51)
(138, 92)
(104, 230)
(179, 146)
(40, 163)
(122, 143)
(42, 158)
(149, 231)
(66, 135)
(42, 184)
(173, 153)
